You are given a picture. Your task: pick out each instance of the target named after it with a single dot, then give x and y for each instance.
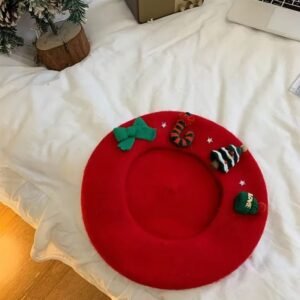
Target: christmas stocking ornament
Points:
(226, 158)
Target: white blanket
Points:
(193, 61)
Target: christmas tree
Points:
(43, 11)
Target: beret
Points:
(160, 214)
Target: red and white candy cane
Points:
(185, 120)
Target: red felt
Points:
(162, 216)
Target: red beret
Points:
(161, 215)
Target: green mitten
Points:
(246, 204)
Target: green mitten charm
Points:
(246, 204)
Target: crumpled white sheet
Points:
(193, 61)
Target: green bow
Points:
(139, 130)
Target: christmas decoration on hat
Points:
(245, 203)
(44, 13)
(226, 158)
(139, 130)
(185, 120)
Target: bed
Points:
(193, 61)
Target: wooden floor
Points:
(22, 278)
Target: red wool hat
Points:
(158, 212)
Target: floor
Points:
(22, 278)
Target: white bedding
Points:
(193, 61)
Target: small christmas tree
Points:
(43, 11)
(226, 158)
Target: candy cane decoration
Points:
(185, 120)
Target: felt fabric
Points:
(177, 136)
(126, 136)
(246, 203)
(226, 157)
(162, 216)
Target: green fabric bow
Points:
(139, 130)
